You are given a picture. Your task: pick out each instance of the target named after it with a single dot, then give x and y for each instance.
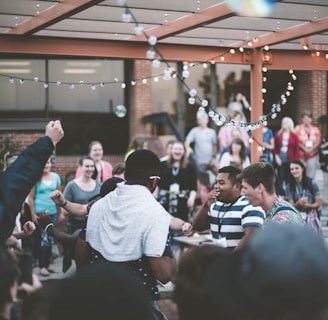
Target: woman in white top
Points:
(236, 156)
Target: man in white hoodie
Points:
(128, 227)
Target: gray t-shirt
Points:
(204, 140)
(74, 193)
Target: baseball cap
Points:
(283, 271)
(108, 186)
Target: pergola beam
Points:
(82, 48)
(200, 18)
(288, 34)
(54, 14)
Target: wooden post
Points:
(256, 103)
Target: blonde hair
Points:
(289, 121)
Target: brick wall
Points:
(312, 94)
(142, 99)
(66, 166)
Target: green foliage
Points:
(8, 143)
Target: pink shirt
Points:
(226, 136)
(308, 137)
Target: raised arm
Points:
(73, 208)
(201, 221)
(17, 181)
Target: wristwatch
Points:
(62, 205)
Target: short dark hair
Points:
(140, 165)
(233, 173)
(307, 113)
(81, 160)
(260, 172)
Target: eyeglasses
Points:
(154, 177)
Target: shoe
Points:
(50, 270)
(44, 272)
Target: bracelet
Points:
(48, 226)
(62, 205)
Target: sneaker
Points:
(44, 272)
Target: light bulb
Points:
(167, 74)
(192, 93)
(191, 100)
(126, 17)
(152, 40)
(204, 103)
(150, 54)
(185, 74)
(156, 63)
(138, 30)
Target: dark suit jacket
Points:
(17, 181)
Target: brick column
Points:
(142, 101)
(312, 93)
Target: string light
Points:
(170, 73)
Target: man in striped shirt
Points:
(229, 215)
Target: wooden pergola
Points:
(295, 33)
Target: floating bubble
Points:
(120, 111)
(252, 8)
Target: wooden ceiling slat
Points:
(57, 12)
(199, 18)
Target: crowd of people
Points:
(121, 223)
